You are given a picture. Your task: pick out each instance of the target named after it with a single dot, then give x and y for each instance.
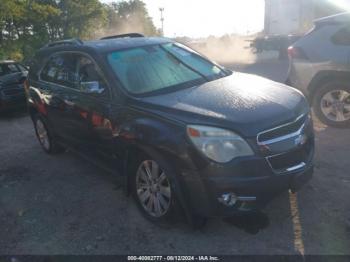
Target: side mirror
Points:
(92, 87)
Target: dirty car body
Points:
(228, 142)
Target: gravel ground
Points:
(64, 205)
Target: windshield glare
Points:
(154, 68)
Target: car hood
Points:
(245, 103)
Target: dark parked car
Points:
(181, 132)
(320, 68)
(12, 77)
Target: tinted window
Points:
(89, 72)
(61, 69)
(153, 68)
(6, 69)
(342, 37)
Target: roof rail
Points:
(130, 35)
(73, 41)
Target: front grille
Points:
(13, 91)
(283, 162)
(282, 131)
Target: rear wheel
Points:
(46, 139)
(332, 103)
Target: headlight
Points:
(218, 144)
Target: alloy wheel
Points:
(153, 188)
(335, 105)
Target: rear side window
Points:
(61, 69)
(342, 37)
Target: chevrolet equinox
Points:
(179, 131)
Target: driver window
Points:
(88, 73)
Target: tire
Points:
(157, 201)
(331, 103)
(45, 137)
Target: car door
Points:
(96, 128)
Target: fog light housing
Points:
(228, 199)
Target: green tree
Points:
(26, 25)
(23, 26)
(81, 18)
(130, 16)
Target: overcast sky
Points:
(203, 17)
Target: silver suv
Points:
(320, 68)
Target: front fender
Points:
(166, 141)
(163, 136)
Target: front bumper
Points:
(204, 194)
(8, 102)
(6, 105)
(287, 165)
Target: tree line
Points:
(26, 25)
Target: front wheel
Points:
(153, 190)
(332, 104)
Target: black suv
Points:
(12, 77)
(181, 132)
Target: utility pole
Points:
(161, 9)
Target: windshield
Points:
(158, 67)
(6, 69)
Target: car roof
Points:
(338, 18)
(102, 46)
(124, 43)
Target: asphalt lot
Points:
(63, 205)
